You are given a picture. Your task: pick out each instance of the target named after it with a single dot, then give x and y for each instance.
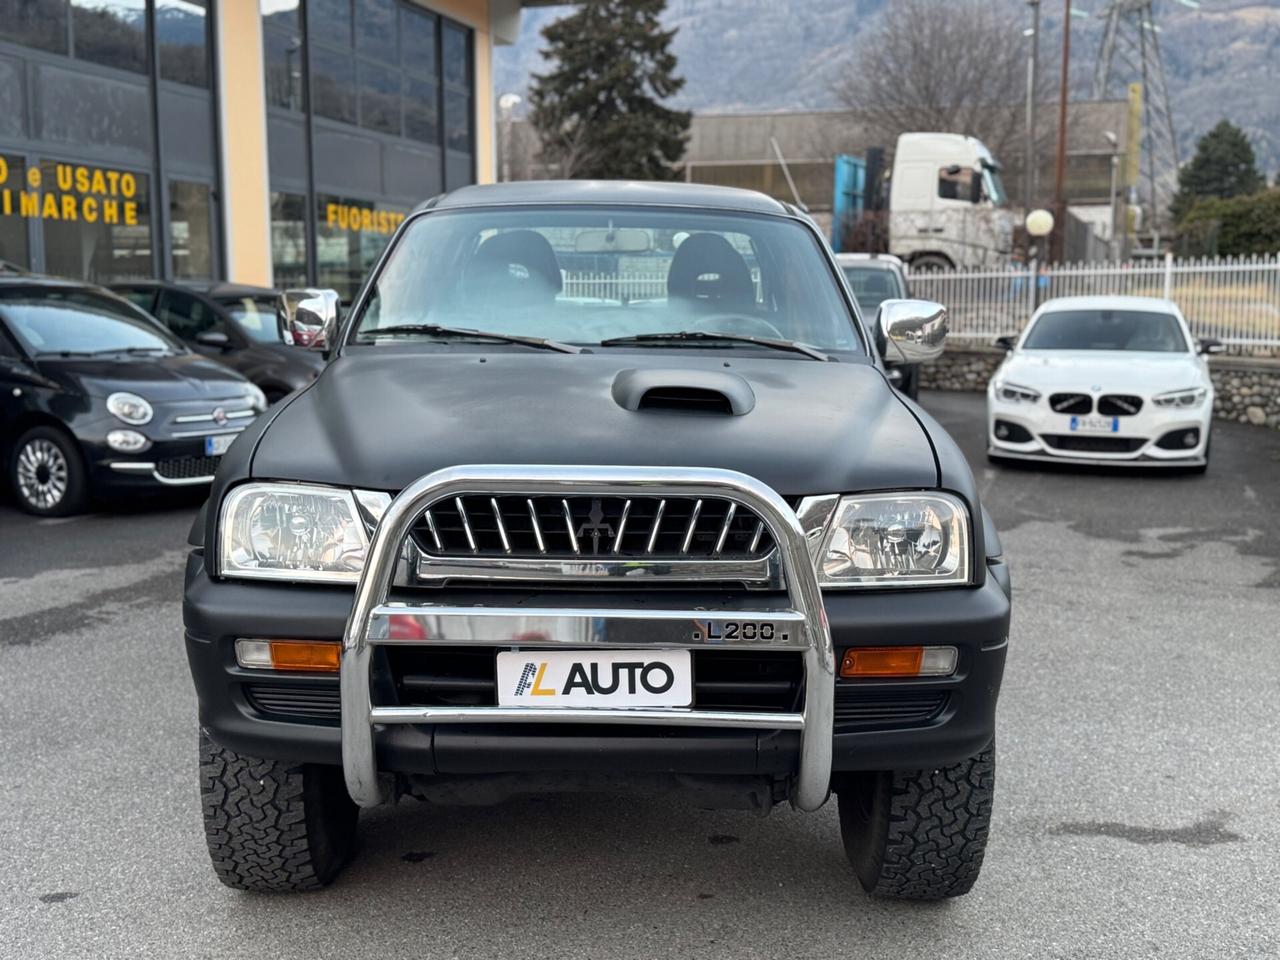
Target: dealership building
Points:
(276, 142)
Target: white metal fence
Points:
(1234, 300)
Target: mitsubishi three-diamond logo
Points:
(595, 528)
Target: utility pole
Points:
(1033, 71)
(1060, 168)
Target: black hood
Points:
(380, 417)
(184, 376)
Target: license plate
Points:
(601, 679)
(217, 446)
(1095, 424)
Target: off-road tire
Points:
(271, 825)
(919, 835)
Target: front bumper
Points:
(1050, 438)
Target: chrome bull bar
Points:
(373, 619)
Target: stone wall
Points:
(1247, 390)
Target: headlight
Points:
(130, 408)
(896, 540)
(1013, 393)
(291, 531)
(1181, 398)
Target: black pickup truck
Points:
(545, 523)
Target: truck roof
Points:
(611, 192)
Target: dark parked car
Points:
(98, 397)
(874, 278)
(516, 540)
(233, 323)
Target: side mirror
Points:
(1006, 343)
(914, 330)
(213, 338)
(308, 318)
(1209, 345)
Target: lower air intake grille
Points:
(187, 468)
(1083, 444)
(861, 708)
(654, 528)
(303, 702)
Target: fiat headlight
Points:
(896, 540)
(130, 408)
(257, 399)
(291, 531)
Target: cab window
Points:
(186, 315)
(959, 183)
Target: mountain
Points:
(1221, 60)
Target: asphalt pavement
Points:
(1137, 789)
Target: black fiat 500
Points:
(96, 396)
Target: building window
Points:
(289, 239)
(112, 33)
(96, 221)
(390, 90)
(13, 224)
(350, 236)
(190, 229)
(181, 37)
(41, 24)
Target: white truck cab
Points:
(947, 205)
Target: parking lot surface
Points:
(1137, 804)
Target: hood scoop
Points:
(707, 392)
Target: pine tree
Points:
(1224, 166)
(598, 111)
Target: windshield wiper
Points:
(130, 350)
(701, 335)
(436, 330)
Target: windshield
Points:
(256, 316)
(81, 322)
(994, 185)
(872, 286)
(1107, 330)
(593, 273)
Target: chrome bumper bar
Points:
(800, 626)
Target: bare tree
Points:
(958, 67)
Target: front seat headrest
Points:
(706, 270)
(519, 266)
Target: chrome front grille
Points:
(591, 528)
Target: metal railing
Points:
(1235, 300)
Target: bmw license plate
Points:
(601, 679)
(1095, 424)
(217, 446)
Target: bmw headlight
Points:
(130, 408)
(896, 540)
(1181, 398)
(1012, 393)
(291, 531)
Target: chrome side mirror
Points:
(914, 330)
(308, 318)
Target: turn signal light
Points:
(899, 662)
(310, 656)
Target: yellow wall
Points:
(246, 195)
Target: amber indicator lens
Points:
(898, 662)
(311, 656)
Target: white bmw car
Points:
(1103, 380)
